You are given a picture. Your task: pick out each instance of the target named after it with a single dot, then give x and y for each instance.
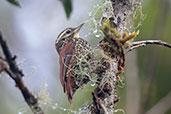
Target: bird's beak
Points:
(77, 29)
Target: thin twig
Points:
(146, 42)
(9, 58)
(16, 74)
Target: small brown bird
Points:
(72, 51)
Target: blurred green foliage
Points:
(154, 62)
(14, 2)
(67, 4)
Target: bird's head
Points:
(66, 35)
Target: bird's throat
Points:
(76, 35)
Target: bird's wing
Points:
(65, 58)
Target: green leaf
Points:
(14, 2)
(67, 4)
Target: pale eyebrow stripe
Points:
(61, 34)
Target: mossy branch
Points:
(8, 65)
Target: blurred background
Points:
(31, 32)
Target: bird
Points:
(74, 54)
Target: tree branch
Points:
(16, 74)
(138, 44)
(118, 17)
(113, 22)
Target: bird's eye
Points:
(68, 31)
(63, 39)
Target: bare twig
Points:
(147, 42)
(16, 74)
(9, 58)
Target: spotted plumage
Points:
(72, 51)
